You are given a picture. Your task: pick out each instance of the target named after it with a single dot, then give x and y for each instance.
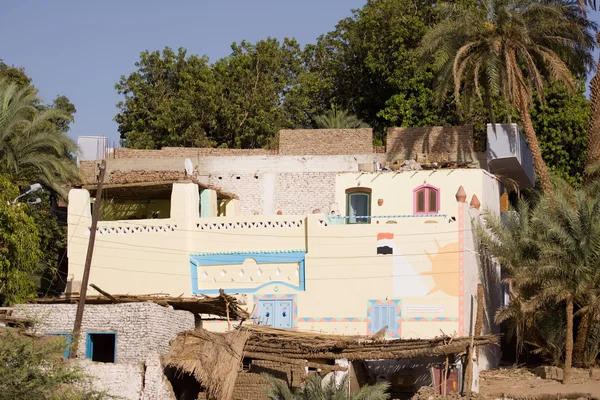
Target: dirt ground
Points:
(523, 384)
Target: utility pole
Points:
(88, 262)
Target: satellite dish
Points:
(189, 167)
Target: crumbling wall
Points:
(434, 143)
(302, 142)
(190, 152)
(142, 328)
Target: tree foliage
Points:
(34, 368)
(339, 119)
(315, 388)
(508, 49)
(20, 253)
(32, 148)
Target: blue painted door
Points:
(276, 313)
(384, 315)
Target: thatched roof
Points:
(198, 305)
(294, 345)
(214, 358)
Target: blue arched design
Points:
(279, 257)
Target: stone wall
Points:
(302, 142)
(453, 143)
(190, 152)
(141, 328)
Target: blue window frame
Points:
(68, 341)
(383, 315)
(101, 346)
(277, 313)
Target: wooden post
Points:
(88, 262)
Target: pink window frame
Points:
(427, 188)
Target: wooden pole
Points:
(88, 262)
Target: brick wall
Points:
(142, 328)
(302, 142)
(250, 190)
(453, 143)
(87, 170)
(301, 193)
(251, 385)
(190, 152)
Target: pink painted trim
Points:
(461, 268)
(427, 188)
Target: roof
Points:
(198, 305)
(214, 358)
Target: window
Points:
(426, 200)
(275, 313)
(358, 205)
(68, 341)
(383, 315)
(101, 347)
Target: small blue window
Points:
(101, 347)
(383, 315)
(68, 341)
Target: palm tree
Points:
(31, 147)
(511, 241)
(593, 155)
(315, 389)
(339, 119)
(508, 49)
(551, 253)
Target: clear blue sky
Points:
(80, 48)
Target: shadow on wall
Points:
(185, 386)
(489, 274)
(431, 144)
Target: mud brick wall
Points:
(251, 385)
(304, 142)
(141, 328)
(454, 143)
(190, 152)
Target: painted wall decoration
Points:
(381, 313)
(247, 272)
(409, 282)
(406, 281)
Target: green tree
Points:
(505, 48)
(252, 83)
(34, 368)
(339, 119)
(20, 253)
(315, 389)
(560, 122)
(169, 101)
(368, 66)
(32, 148)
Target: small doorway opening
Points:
(101, 347)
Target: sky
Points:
(81, 48)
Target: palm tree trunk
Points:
(580, 343)
(593, 155)
(541, 170)
(568, 342)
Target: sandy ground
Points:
(520, 383)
